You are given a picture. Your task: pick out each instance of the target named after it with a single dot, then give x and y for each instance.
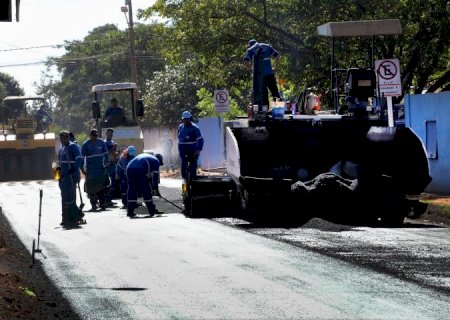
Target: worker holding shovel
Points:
(70, 161)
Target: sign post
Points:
(221, 101)
(389, 83)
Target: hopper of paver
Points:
(308, 159)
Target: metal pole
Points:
(39, 226)
(333, 78)
(133, 60)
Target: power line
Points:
(57, 46)
(79, 59)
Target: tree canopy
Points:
(199, 44)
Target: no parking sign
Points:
(389, 83)
(388, 76)
(221, 100)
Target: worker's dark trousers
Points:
(138, 183)
(112, 176)
(189, 166)
(270, 83)
(68, 196)
(123, 188)
(96, 182)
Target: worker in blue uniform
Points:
(95, 155)
(111, 166)
(43, 119)
(143, 178)
(267, 52)
(70, 162)
(190, 144)
(114, 115)
(127, 155)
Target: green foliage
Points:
(201, 43)
(10, 87)
(168, 94)
(102, 57)
(215, 33)
(206, 107)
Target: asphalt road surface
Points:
(173, 267)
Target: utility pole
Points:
(133, 60)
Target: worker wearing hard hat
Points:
(190, 144)
(127, 155)
(143, 177)
(70, 162)
(269, 80)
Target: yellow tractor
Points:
(126, 131)
(25, 153)
(126, 127)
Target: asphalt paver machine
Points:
(350, 165)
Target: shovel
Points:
(81, 198)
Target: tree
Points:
(168, 94)
(101, 57)
(10, 87)
(214, 34)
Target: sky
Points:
(46, 23)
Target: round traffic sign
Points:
(387, 70)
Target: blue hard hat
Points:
(131, 151)
(186, 115)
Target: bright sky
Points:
(51, 22)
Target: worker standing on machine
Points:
(190, 144)
(143, 178)
(267, 53)
(95, 153)
(70, 162)
(127, 155)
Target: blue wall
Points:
(429, 116)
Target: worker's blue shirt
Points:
(41, 114)
(268, 52)
(111, 162)
(69, 157)
(122, 165)
(190, 139)
(96, 155)
(114, 113)
(109, 144)
(143, 164)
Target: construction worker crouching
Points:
(127, 155)
(143, 178)
(70, 162)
